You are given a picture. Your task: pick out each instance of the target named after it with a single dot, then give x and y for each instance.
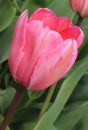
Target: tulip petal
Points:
(34, 30)
(77, 5)
(47, 16)
(80, 6)
(51, 20)
(42, 13)
(84, 11)
(40, 40)
(63, 23)
(18, 43)
(51, 66)
(74, 33)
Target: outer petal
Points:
(18, 43)
(77, 5)
(44, 38)
(49, 19)
(47, 16)
(39, 40)
(42, 13)
(74, 33)
(84, 11)
(63, 23)
(52, 66)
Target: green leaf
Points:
(53, 128)
(6, 97)
(84, 125)
(26, 126)
(30, 5)
(5, 40)
(61, 8)
(83, 51)
(30, 125)
(81, 91)
(7, 13)
(69, 118)
(43, 3)
(25, 114)
(34, 95)
(63, 95)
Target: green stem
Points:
(28, 103)
(12, 108)
(47, 100)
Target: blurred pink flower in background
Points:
(43, 49)
(80, 6)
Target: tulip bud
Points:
(43, 48)
(80, 6)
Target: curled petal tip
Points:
(25, 13)
(80, 6)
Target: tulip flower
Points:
(80, 6)
(43, 49)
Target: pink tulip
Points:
(43, 49)
(80, 6)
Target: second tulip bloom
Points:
(80, 6)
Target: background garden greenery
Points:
(68, 107)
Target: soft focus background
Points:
(72, 116)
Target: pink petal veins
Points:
(52, 65)
(39, 40)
